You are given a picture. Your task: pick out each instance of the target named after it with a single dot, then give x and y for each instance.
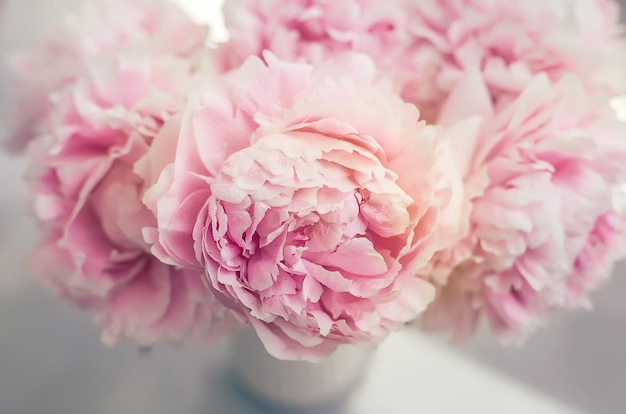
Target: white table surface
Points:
(52, 362)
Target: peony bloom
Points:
(510, 43)
(314, 31)
(543, 176)
(100, 32)
(311, 197)
(89, 199)
(428, 46)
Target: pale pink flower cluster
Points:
(511, 43)
(310, 197)
(334, 171)
(99, 32)
(313, 31)
(114, 86)
(427, 46)
(544, 177)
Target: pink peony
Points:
(313, 31)
(88, 198)
(543, 175)
(99, 33)
(427, 46)
(312, 198)
(510, 43)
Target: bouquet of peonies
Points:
(335, 170)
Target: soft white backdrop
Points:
(51, 360)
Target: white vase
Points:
(297, 384)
